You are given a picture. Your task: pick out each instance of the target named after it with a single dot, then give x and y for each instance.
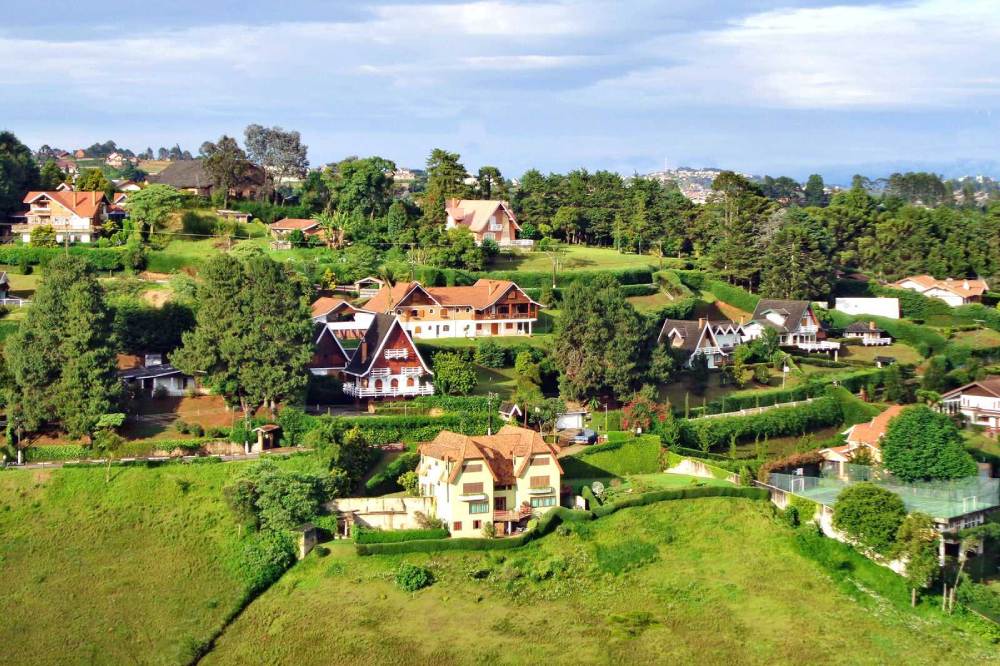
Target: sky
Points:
(787, 87)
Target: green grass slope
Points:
(140, 570)
(701, 581)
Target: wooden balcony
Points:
(513, 515)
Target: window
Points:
(472, 488)
(479, 507)
(539, 460)
(414, 313)
(456, 526)
(539, 502)
(512, 295)
(477, 524)
(431, 311)
(473, 467)
(446, 328)
(540, 481)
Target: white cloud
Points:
(933, 53)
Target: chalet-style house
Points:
(487, 308)
(191, 176)
(867, 436)
(978, 402)
(868, 332)
(154, 377)
(502, 479)
(74, 216)
(952, 292)
(372, 354)
(794, 321)
(714, 340)
(487, 220)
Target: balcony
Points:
(823, 346)
(380, 372)
(412, 372)
(396, 353)
(543, 490)
(501, 316)
(388, 391)
(873, 342)
(808, 328)
(513, 515)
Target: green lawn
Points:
(651, 303)
(495, 380)
(573, 258)
(982, 338)
(903, 353)
(140, 570)
(712, 581)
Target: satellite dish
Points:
(597, 487)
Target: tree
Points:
(150, 207)
(43, 236)
(278, 152)
(491, 184)
(61, 360)
(18, 173)
(410, 483)
(916, 544)
(661, 365)
(458, 249)
(597, 341)
(226, 163)
(738, 368)
(445, 180)
(869, 514)
(361, 187)
(922, 445)
(94, 180)
(545, 413)
(814, 194)
(252, 339)
(737, 211)
(453, 375)
(266, 496)
(51, 176)
(795, 265)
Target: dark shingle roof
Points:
(162, 370)
(792, 310)
(378, 330)
(192, 174)
(690, 332)
(862, 327)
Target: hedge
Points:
(367, 535)
(384, 482)
(734, 296)
(98, 258)
(706, 434)
(540, 279)
(471, 404)
(552, 519)
(636, 456)
(63, 452)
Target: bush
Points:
(923, 445)
(869, 514)
(410, 577)
(265, 556)
(368, 535)
(490, 355)
(101, 259)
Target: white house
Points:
(714, 340)
(953, 292)
(877, 307)
(795, 322)
(155, 377)
(978, 402)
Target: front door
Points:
(499, 503)
(495, 328)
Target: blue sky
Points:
(766, 87)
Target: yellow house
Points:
(503, 479)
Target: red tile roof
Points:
(873, 431)
(479, 296)
(497, 451)
(83, 204)
(292, 223)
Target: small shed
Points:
(234, 215)
(369, 286)
(267, 437)
(571, 420)
(306, 537)
(884, 361)
(509, 411)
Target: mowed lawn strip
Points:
(709, 581)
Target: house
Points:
(79, 153)
(510, 411)
(117, 160)
(487, 308)
(67, 166)
(124, 185)
(74, 216)
(154, 377)
(367, 287)
(386, 363)
(237, 216)
(795, 322)
(884, 361)
(876, 307)
(868, 332)
(282, 229)
(487, 220)
(502, 479)
(572, 420)
(865, 437)
(191, 176)
(977, 402)
(328, 309)
(952, 292)
(715, 340)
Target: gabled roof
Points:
(149, 372)
(322, 330)
(872, 432)
(691, 332)
(324, 305)
(478, 296)
(293, 223)
(990, 384)
(476, 213)
(863, 327)
(792, 311)
(375, 337)
(184, 174)
(83, 204)
(496, 451)
(506, 408)
(965, 288)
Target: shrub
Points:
(490, 355)
(368, 535)
(791, 515)
(921, 444)
(265, 556)
(410, 577)
(387, 480)
(869, 514)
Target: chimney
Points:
(364, 350)
(701, 323)
(871, 326)
(965, 284)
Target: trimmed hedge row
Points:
(734, 296)
(706, 434)
(98, 258)
(379, 430)
(366, 535)
(62, 452)
(539, 279)
(464, 404)
(552, 519)
(636, 456)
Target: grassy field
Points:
(901, 352)
(707, 581)
(140, 570)
(651, 303)
(573, 258)
(983, 338)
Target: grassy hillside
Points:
(140, 570)
(706, 581)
